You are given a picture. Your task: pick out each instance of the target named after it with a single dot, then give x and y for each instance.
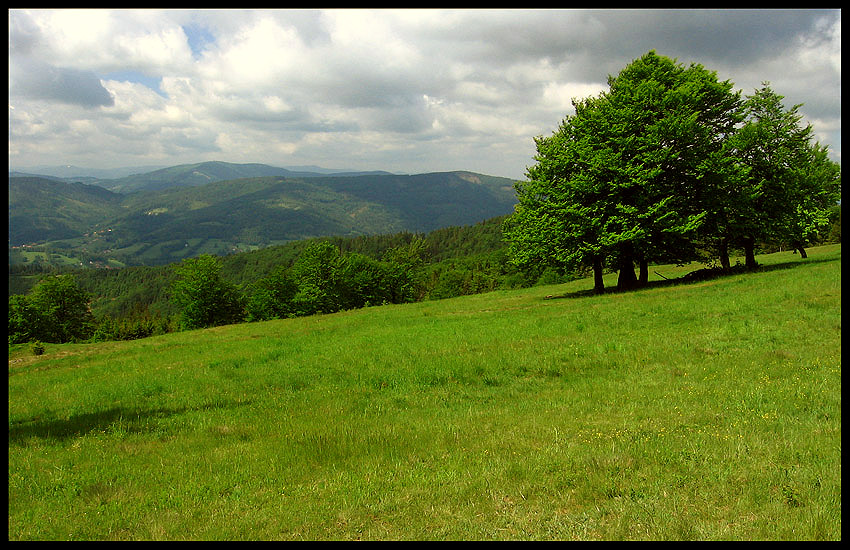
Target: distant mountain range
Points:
(132, 179)
(171, 213)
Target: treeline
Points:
(301, 278)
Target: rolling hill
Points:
(45, 209)
(176, 214)
(200, 174)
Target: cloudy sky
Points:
(406, 91)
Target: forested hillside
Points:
(474, 252)
(199, 174)
(43, 209)
(101, 228)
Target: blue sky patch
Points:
(139, 78)
(198, 38)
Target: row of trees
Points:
(670, 165)
(322, 280)
(325, 276)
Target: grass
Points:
(704, 411)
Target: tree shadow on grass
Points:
(698, 276)
(130, 420)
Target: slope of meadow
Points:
(709, 410)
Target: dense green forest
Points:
(451, 261)
(121, 292)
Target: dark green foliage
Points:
(364, 282)
(474, 275)
(402, 267)
(204, 299)
(403, 270)
(450, 283)
(24, 320)
(317, 274)
(788, 185)
(56, 311)
(132, 328)
(272, 297)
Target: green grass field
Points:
(707, 411)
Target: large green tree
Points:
(203, 297)
(626, 179)
(56, 310)
(787, 184)
(667, 123)
(561, 215)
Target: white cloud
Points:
(558, 96)
(404, 90)
(102, 40)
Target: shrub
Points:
(37, 348)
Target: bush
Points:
(364, 282)
(551, 276)
(317, 274)
(272, 297)
(109, 329)
(451, 283)
(37, 348)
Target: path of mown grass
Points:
(703, 411)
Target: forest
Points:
(332, 274)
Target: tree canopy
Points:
(204, 298)
(56, 310)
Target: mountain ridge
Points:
(134, 179)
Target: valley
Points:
(167, 215)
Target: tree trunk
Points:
(749, 253)
(627, 279)
(799, 246)
(598, 283)
(724, 254)
(643, 278)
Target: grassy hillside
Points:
(709, 410)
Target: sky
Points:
(406, 91)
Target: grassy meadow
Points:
(701, 411)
